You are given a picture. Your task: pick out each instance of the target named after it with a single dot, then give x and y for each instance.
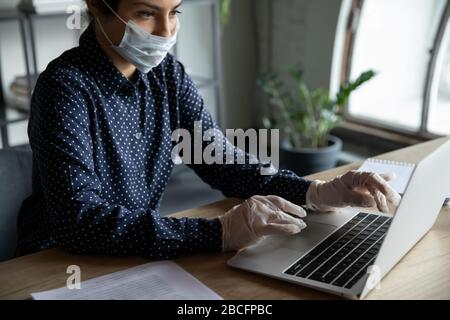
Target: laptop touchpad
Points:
(313, 234)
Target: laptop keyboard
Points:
(343, 258)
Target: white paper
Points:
(402, 171)
(163, 280)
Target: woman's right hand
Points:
(259, 216)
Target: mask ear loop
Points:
(103, 31)
(114, 12)
(101, 26)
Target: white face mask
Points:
(141, 48)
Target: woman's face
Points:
(157, 17)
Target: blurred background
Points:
(238, 52)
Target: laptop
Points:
(348, 252)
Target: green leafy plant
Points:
(225, 10)
(305, 117)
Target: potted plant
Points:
(305, 119)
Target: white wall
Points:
(322, 20)
(195, 47)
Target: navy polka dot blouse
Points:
(102, 159)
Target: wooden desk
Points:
(424, 273)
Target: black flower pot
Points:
(307, 161)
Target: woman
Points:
(101, 120)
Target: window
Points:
(439, 99)
(395, 38)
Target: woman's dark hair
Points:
(104, 9)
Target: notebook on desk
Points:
(402, 170)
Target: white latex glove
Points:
(355, 188)
(259, 216)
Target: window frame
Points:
(351, 32)
(437, 47)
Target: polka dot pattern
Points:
(102, 159)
